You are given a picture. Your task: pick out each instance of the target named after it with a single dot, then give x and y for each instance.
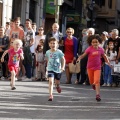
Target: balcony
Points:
(105, 8)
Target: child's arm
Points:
(2, 58)
(106, 59)
(21, 56)
(81, 56)
(63, 63)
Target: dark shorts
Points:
(56, 76)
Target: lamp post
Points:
(57, 4)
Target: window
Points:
(100, 3)
(110, 4)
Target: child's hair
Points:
(42, 40)
(96, 36)
(108, 50)
(7, 23)
(21, 25)
(52, 39)
(39, 46)
(17, 41)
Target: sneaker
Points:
(16, 79)
(98, 98)
(93, 86)
(104, 85)
(23, 77)
(2, 78)
(58, 89)
(108, 84)
(114, 85)
(13, 88)
(27, 80)
(50, 98)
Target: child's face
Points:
(41, 43)
(40, 48)
(111, 46)
(17, 46)
(95, 43)
(53, 45)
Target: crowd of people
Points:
(27, 54)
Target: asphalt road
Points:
(30, 101)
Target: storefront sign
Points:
(73, 18)
(50, 7)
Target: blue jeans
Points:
(108, 78)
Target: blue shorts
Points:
(56, 76)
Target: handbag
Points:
(74, 68)
(116, 69)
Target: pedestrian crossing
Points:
(26, 102)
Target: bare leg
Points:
(51, 81)
(97, 89)
(68, 75)
(13, 78)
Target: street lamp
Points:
(57, 4)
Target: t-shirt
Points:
(17, 33)
(54, 60)
(29, 35)
(94, 57)
(112, 56)
(14, 57)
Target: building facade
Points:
(5, 11)
(32, 9)
(102, 14)
(79, 14)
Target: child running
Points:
(55, 65)
(94, 53)
(15, 54)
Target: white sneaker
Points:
(33, 78)
(16, 79)
(104, 85)
(23, 77)
(108, 84)
(2, 78)
(27, 79)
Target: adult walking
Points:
(70, 51)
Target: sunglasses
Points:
(69, 32)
